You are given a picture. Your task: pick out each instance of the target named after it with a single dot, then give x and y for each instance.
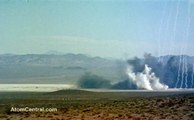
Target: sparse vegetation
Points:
(79, 104)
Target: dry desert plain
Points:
(99, 105)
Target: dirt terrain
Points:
(85, 105)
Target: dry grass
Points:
(90, 107)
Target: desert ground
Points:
(96, 105)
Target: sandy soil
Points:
(82, 105)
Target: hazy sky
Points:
(107, 28)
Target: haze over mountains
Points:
(52, 68)
(57, 68)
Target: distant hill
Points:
(69, 68)
(57, 68)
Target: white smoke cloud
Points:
(146, 79)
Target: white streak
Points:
(183, 68)
(160, 31)
(192, 77)
(180, 60)
(187, 38)
(174, 28)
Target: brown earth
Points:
(140, 108)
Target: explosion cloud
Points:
(146, 79)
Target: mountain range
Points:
(174, 71)
(57, 68)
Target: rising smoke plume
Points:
(124, 85)
(146, 79)
(148, 73)
(89, 80)
(167, 70)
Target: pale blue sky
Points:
(107, 28)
